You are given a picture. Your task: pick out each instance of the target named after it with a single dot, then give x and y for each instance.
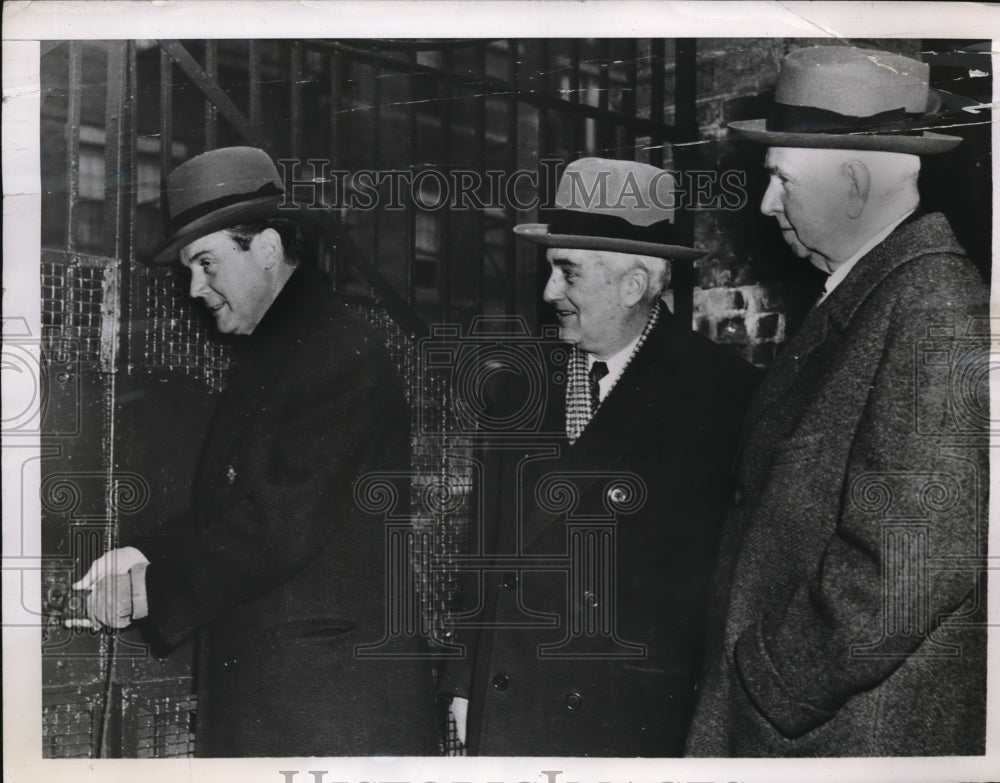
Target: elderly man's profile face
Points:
(807, 195)
(588, 299)
(232, 282)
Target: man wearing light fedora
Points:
(275, 567)
(849, 611)
(640, 423)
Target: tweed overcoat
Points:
(601, 658)
(849, 610)
(276, 566)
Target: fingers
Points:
(98, 570)
(460, 712)
(109, 604)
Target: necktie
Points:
(597, 371)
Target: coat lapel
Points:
(259, 359)
(635, 407)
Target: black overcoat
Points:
(590, 637)
(850, 613)
(276, 565)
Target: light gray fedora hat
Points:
(616, 205)
(840, 97)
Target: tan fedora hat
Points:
(839, 97)
(216, 190)
(616, 205)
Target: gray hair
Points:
(657, 270)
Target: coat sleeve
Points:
(907, 501)
(296, 483)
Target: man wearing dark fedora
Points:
(275, 566)
(849, 612)
(626, 476)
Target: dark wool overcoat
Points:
(276, 566)
(601, 657)
(849, 616)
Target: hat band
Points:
(191, 214)
(590, 224)
(811, 119)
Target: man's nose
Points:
(553, 289)
(198, 287)
(770, 205)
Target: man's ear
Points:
(268, 245)
(634, 284)
(859, 182)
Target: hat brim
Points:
(927, 144)
(539, 234)
(232, 215)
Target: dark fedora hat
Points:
(839, 97)
(216, 190)
(617, 205)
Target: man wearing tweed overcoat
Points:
(849, 614)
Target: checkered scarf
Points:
(578, 411)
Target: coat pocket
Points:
(317, 630)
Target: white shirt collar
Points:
(616, 365)
(838, 275)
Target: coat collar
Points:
(919, 235)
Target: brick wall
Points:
(750, 291)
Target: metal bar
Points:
(605, 129)
(411, 213)
(130, 181)
(514, 75)
(376, 157)
(574, 95)
(687, 125)
(479, 131)
(166, 118)
(335, 69)
(73, 141)
(447, 130)
(544, 120)
(657, 59)
(629, 99)
(114, 157)
(253, 71)
(295, 74)
(211, 114)
(489, 85)
(213, 92)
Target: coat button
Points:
(501, 681)
(509, 582)
(739, 496)
(573, 701)
(230, 475)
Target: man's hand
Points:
(116, 561)
(109, 604)
(116, 581)
(459, 710)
